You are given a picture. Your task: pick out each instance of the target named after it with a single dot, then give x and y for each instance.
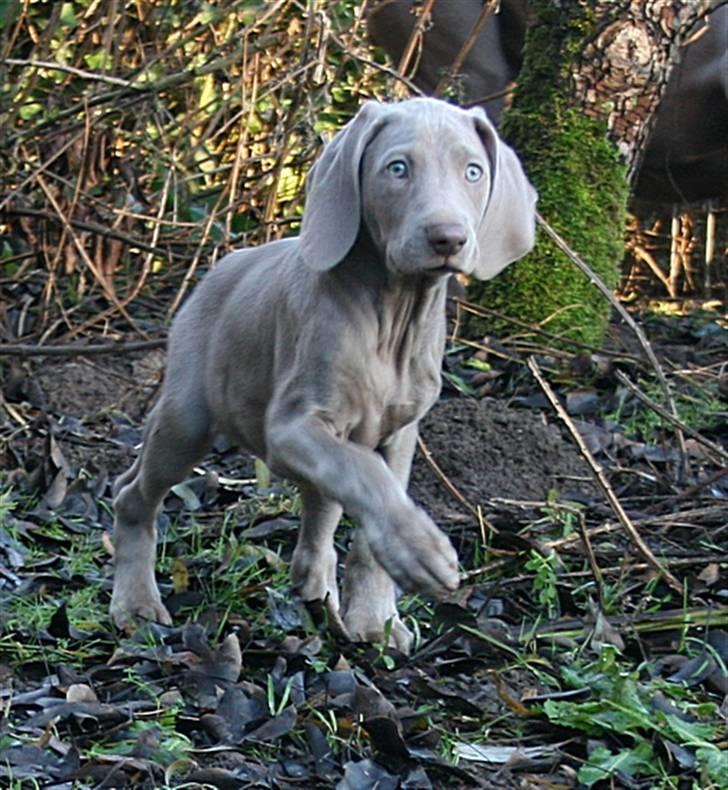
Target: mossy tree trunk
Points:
(593, 75)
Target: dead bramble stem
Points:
(580, 263)
(415, 39)
(601, 479)
(712, 447)
(469, 43)
(78, 349)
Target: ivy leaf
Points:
(68, 15)
(603, 764)
(100, 60)
(714, 762)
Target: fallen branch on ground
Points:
(79, 350)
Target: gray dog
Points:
(320, 354)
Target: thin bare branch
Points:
(78, 350)
(578, 261)
(602, 481)
(721, 456)
(488, 8)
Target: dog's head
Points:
(436, 188)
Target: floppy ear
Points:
(333, 202)
(507, 228)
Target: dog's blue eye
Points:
(398, 169)
(473, 173)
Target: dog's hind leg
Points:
(177, 437)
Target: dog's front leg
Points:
(402, 537)
(370, 597)
(313, 566)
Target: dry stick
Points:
(192, 268)
(390, 72)
(91, 227)
(611, 570)
(485, 12)
(98, 276)
(147, 265)
(627, 318)
(241, 146)
(146, 268)
(709, 250)
(665, 414)
(142, 89)
(477, 309)
(691, 492)
(592, 558)
(212, 218)
(415, 36)
(284, 146)
(675, 257)
(80, 73)
(485, 346)
(444, 479)
(71, 209)
(666, 520)
(642, 255)
(680, 518)
(601, 479)
(30, 350)
(40, 169)
(52, 264)
(646, 622)
(191, 32)
(490, 96)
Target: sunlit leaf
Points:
(101, 60)
(68, 15)
(28, 111)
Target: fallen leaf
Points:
(710, 574)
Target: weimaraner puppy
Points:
(320, 354)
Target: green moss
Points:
(582, 189)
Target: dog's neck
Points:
(409, 309)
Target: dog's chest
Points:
(397, 415)
(394, 397)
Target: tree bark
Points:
(593, 75)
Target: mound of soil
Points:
(488, 449)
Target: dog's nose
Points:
(446, 238)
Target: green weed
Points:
(637, 712)
(544, 583)
(696, 408)
(169, 746)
